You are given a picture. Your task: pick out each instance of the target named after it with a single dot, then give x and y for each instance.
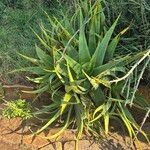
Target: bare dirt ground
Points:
(15, 135)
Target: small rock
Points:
(141, 145)
(8, 146)
(8, 130)
(9, 125)
(58, 146)
(55, 146)
(87, 145)
(37, 141)
(12, 138)
(69, 145)
(48, 147)
(83, 145)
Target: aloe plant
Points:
(77, 64)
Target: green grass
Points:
(134, 13)
(16, 18)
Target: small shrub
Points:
(17, 108)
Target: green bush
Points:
(88, 82)
(17, 108)
(136, 13)
(16, 17)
